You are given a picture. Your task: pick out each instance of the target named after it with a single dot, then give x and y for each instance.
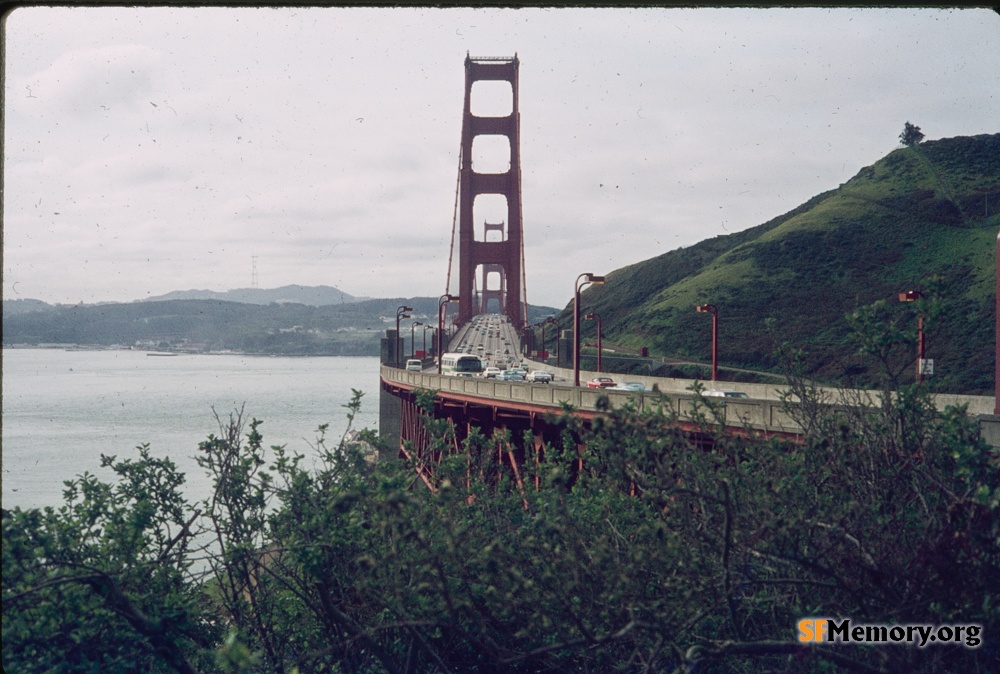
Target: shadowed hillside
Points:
(921, 212)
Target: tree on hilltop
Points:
(911, 135)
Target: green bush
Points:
(647, 549)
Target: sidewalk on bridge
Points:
(978, 405)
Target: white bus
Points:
(461, 365)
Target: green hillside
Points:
(921, 212)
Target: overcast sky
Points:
(159, 149)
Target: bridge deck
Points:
(768, 416)
(763, 412)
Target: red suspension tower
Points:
(504, 257)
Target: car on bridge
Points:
(724, 393)
(541, 376)
(601, 382)
(629, 386)
(510, 375)
(415, 365)
(491, 372)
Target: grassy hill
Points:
(931, 210)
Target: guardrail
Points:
(761, 415)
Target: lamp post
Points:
(400, 313)
(597, 317)
(913, 296)
(442, 302)
(426, 328)
(554, 321)
(714, 310)
(581, 281)
(543, 354)
(413, 349)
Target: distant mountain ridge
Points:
(285, 327)
(313, 296)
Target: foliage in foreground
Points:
(657, 555)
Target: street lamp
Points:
(712, 309)
(544, 352)
(442, 301)
(913, 296)
(426, 328)
(597, 317)
(413, 350)
(586, 279)
(400, 313)
(556, 323)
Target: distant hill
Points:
(346, 329)
(920, 212)
(314, 296)
(14, 307)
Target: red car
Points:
(601, 382)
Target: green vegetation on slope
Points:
(924, 217)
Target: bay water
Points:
(63, 409)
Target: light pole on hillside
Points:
(581, 281)
(913, 296)
(558, 356)
(714, 310)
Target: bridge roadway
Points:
(762, 412)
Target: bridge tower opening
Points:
(501, 258)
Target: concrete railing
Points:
(763, 415)
(763, 411)
(977, 405)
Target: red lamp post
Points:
(413, 349)
(544, 352)
(400, 313)
(442, 303)
(581, 281)
(913, 296)
(426, 328)
(597, 317)
(558, 355)
(714, 310)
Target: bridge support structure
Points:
(529, 416)
(506, 255)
